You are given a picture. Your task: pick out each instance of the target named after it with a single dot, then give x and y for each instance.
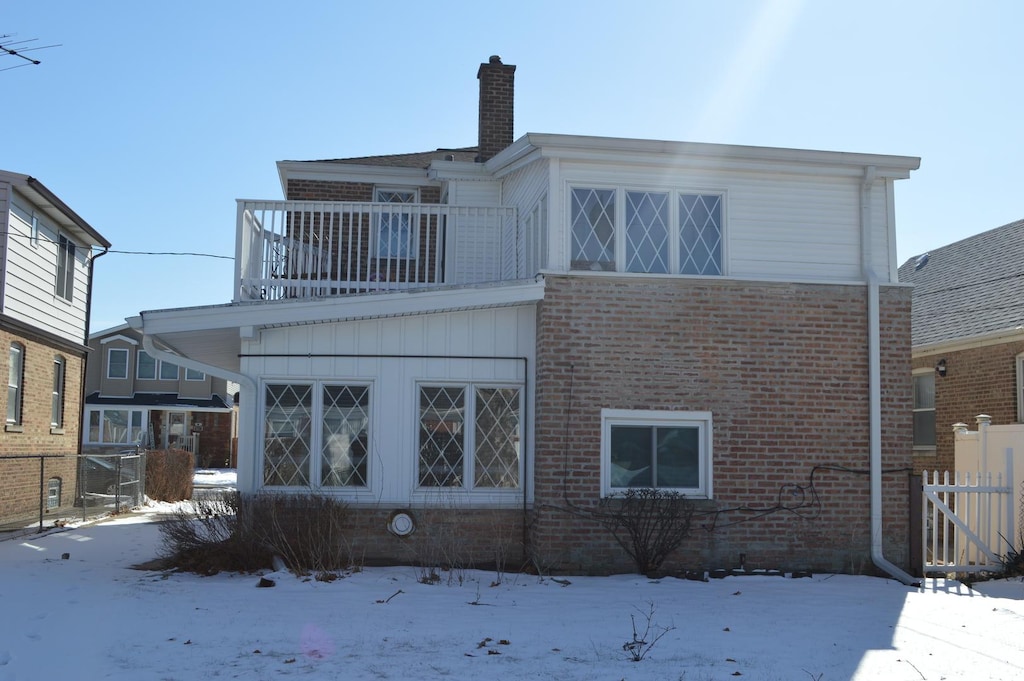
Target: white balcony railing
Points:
(302, 249)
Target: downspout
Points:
(85, 342)
(244, 415)
(874, 385)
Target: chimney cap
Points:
(494, 59)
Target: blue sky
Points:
(151, 118)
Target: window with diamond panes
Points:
(593, 229)
(647, 224)
(286, 449)
(394, 230)
(496, 448)
(346, 420)
(700, 234)
(442, 437)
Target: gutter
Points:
(244, 415)
(874, 386)
(88, 350)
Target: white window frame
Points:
(701, 420)
(316, 412)
(469, 444)
(917, 373)
(140, 430)
(127, 363)
(160, 371)
(194, 375)
(138, 367)
(414, 237)
(1020, 387)
(619, 236)
(57, 395)
(64, 285)
(15, 383)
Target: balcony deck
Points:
(304, 249)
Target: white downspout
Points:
(246, 419)
(874, 385)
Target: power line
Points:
(43, 237)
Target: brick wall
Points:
(980, 380)
(783, 369)
(214, 439)
(19, 479)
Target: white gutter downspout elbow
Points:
(874, 385)
(138, 323)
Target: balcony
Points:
(305, 249)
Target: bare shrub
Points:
(649, 524)
(169, 474)
(642, 642)
(245, 533)
(308, 531)
(206, 537)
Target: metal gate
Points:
(968, 523)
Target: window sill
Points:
(924, 451)
(14, 428)
(56, 431)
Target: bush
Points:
(169, 475)
(649, 524)
(244, 534)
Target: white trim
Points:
(971, 342)
(701, 420)
(119, 337)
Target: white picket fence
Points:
(968, 522)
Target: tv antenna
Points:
(13, 48)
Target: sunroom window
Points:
(395, 235)
(493, 437)
(291, 439)
(656, 450)
(655, 232)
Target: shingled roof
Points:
(969, 288)
(419, 159)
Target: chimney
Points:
(497, 90)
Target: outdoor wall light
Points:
(940, 368)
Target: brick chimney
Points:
(497, 90)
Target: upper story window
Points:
(57, 396)
(194, 375)
(168, 371)
(395, 235)
(665, 450)
(65, 268)
(117, 363)
(924, 410)
(146, 369)
(657, 232)
(15, 378)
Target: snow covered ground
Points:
(72, 607)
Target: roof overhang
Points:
(968, 343)
(62, 214)
(213, 334)
(698, 155)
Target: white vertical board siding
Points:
(777, 226)
(526, 189)
(31, 277)
(394, 356)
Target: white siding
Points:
(5, 217)
(431, 348)
(31, 275)
(526, 190)
(777, 226)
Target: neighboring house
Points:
(133, 398)
(483, 343)
(968, 338)
(46, 264)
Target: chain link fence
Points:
(48, 490)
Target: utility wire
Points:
(43, 237)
